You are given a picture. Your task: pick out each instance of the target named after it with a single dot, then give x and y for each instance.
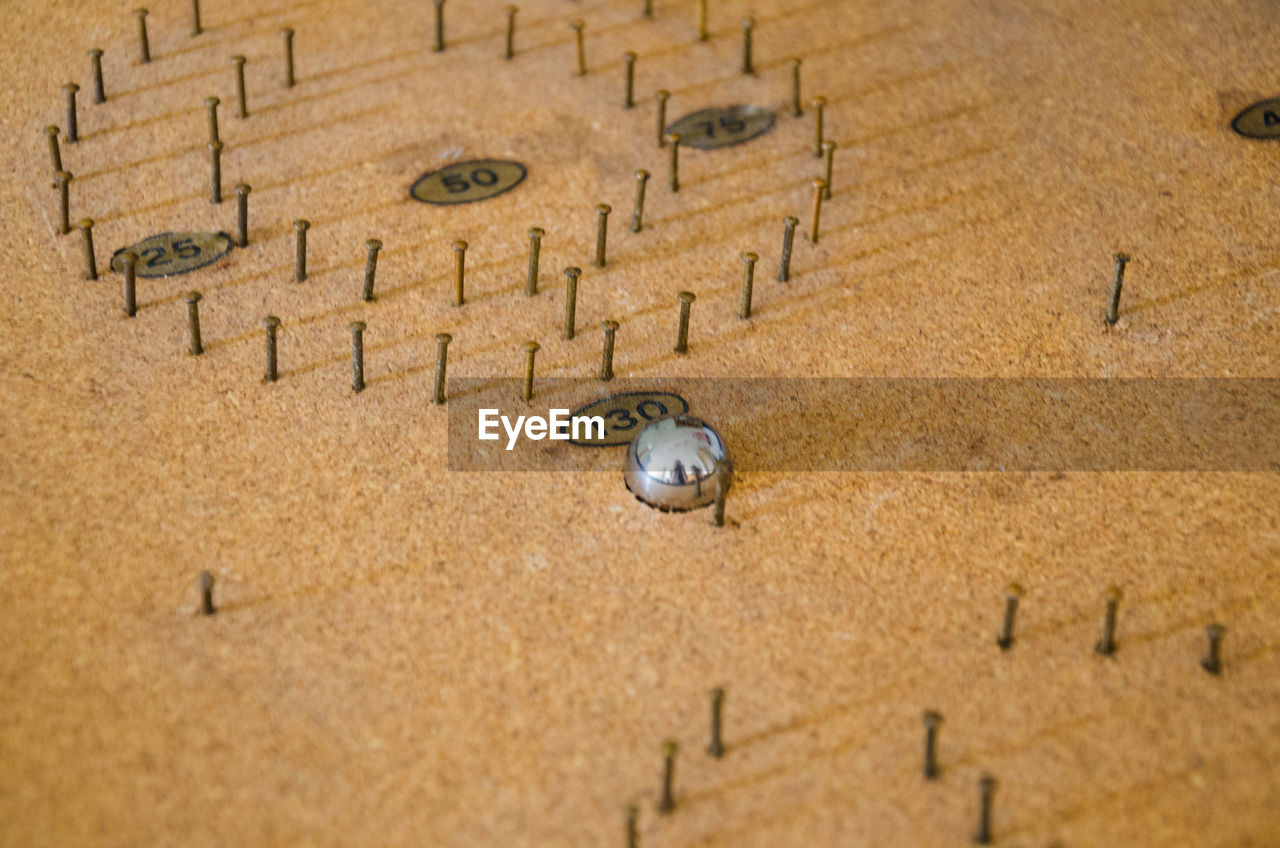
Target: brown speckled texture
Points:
(409, 656)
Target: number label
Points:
(467, 182)
(722, 126)
(627, 414)
(1261, 120)
(170, 254)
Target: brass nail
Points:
(932, 721)
(62, 180)
(819, 105)
(511, 31)
(716, 746)
(1107, 643)
(211, 104)
(196, 29)
(748, 24)
(637, 214)
(661, 96)
(602, 232)
(215, 172)
(242, 101)
(442, 362)
(571, 301)
(372, 246)
(577, 25)
(204, 583)
(987, 789)
(1012, 593)
(703, 35)
(193, 322)
(459, 271)
(1113, 308)
(144, 47)
(128, 269)
(724, 480)
(242, 215)
(90, 262)
(55, 152)
(788, 236)
(1212, 662)
(439, 4)
(673, 141)
(629, 62)
(271, 324)
(606, 361)
(73, 132)
(632, 831)
(796, 109)
(748, 277)
(300, 226)
(530, 349)
(95, 70)
(819, 186)
(287, 35)
(667, 802)
(357, 355)
(535, 248)
(828, 156)
(682, 334)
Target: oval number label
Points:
(627, 414)
(722, 126)
(1261, 120)
(169, 254)
(467, 182)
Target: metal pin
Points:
(242, 215)
(442, 362)
(211, 104)
(271, 323)
(62, 180)
(1212, 662)
(439, 4)
(647, 9)
(570, 301)
(796, 108)
(819, 105)
(95, 69)
(667, 803)
(370, 267)
(530, 349)
(716, 746)
(632, 828)
(819, 186)
(788, 236)
(205, 584)
(828, 156)
(629, 59)
(932, 721)
(747, 25)
(90, 263)
(73, 132)
(357, 355)
(144, 47)
(193, 322)
(662, 96)
(724, 481)
(300, 252)
(673, 141)
(702, 20)
(576, 25)
(606, 362)
(535, 247)
(287, 34)
(682, 334)
(637, 214)
(748, 278)
(1113, 308)
(602, 232)
(511, 31)
(987, 789)
(242, 102)
(55, 152)
(128, 266)
(215, 172)
(1011, 595)
(459, 270)
(1107, 644)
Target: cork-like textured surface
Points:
(410, 656)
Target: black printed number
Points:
(160, 254)
(455, 184)
(728, 123)
(624, 419)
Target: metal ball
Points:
(671, 463)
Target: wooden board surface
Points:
(407, 655)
